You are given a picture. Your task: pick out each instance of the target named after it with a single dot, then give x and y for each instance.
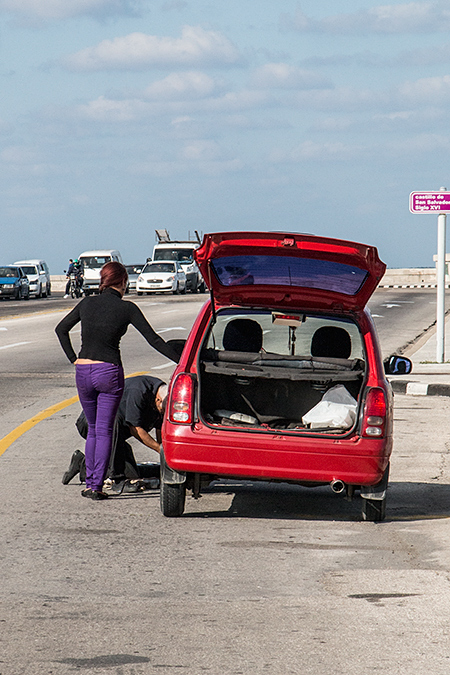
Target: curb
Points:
(420, 388)
(410, 286)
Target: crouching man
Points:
(140, 411)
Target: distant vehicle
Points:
(182, 252)
(92, 262)
(38, 276)
(161, 276)
(281, 378)
(14, 283)
(133, 273)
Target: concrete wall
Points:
(421, 278)
(58, 282)
(410, 277)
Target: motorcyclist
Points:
(76, 269)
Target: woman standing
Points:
(99, 372)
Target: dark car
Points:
(14, 283)
(281, 378)
(133, 273)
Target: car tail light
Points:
(374, 418)
(181, 409)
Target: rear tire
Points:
(172, 499)
(373, 510)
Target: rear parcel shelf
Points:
(272, 366)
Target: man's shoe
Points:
(83, 471)
(74, 467)
(112, 486)
(132, 486)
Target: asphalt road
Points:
(253, 579)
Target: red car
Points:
(281, 377)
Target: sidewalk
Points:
(427, 378)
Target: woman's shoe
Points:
(86, 493)
(98, 495)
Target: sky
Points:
(119, 117)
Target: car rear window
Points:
(291, 333)
(273, 270)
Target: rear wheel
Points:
(374, 510)
(172, 499)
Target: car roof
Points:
(287, 269)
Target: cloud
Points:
(426, 90)
(63, 9)
(411, 17)
(285, 76)
(176, 86)
(138, 51)
(310, 150)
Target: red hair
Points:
(112, 274)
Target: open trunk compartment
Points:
(264, 391)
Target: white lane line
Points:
(390, 306)
(166, 330)
(377, 316)
(2, 328)
(165, 365)
(16, 344)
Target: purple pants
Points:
(100, 388)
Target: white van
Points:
(91, 263)
(182, 252)
(38, 276)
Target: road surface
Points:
(253, 579)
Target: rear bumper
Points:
(354, 460)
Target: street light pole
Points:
(440, 283)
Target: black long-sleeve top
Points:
(104, 320)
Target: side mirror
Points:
(177, 344)
(397, 365)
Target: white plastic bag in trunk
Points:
(337, 409)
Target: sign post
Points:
(436, 202)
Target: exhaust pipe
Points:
(337, 486)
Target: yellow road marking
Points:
(16, 433)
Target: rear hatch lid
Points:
(287, 269)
